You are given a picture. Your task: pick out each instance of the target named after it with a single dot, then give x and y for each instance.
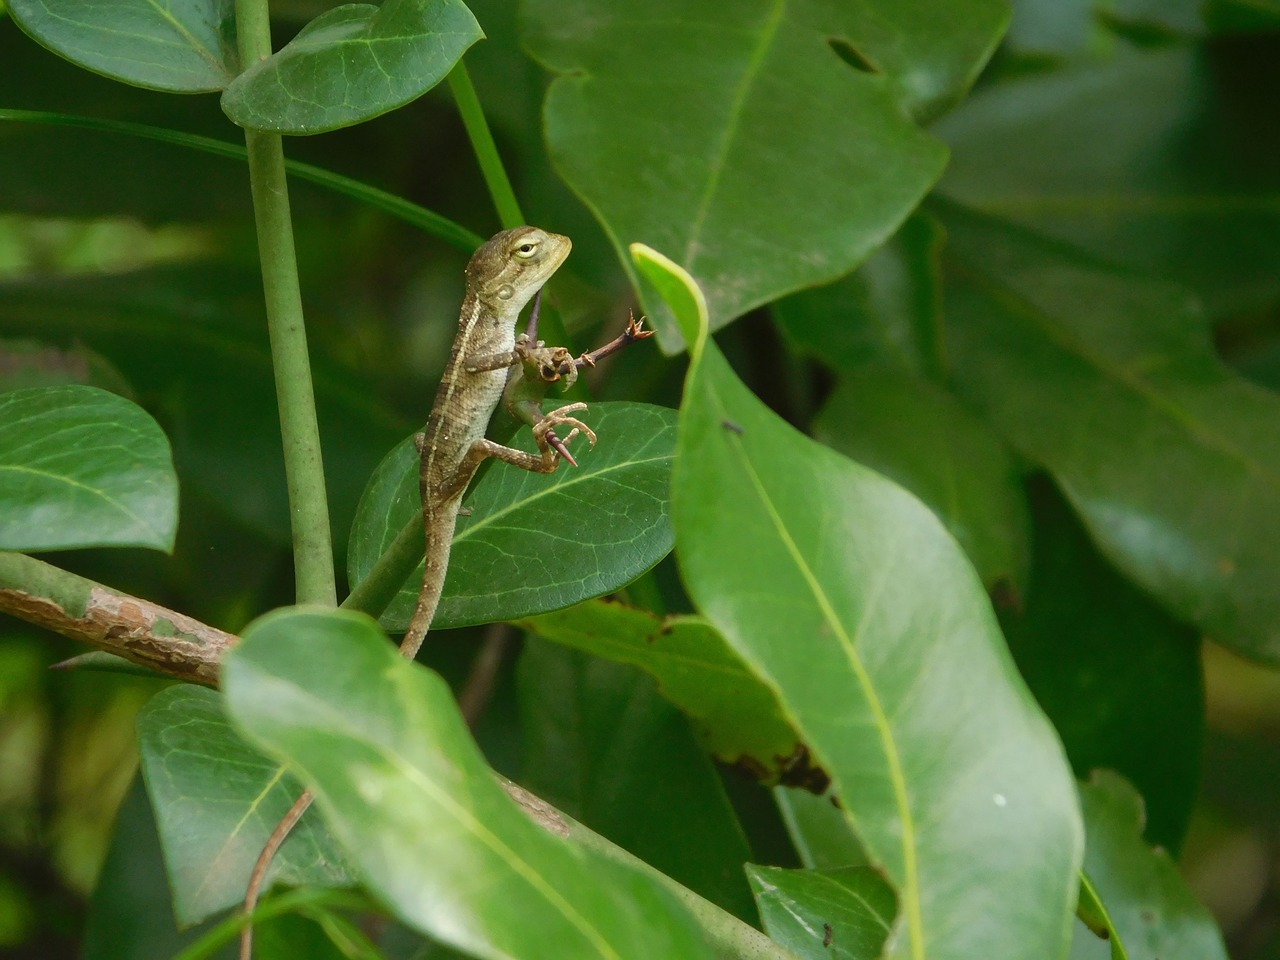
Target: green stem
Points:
(299, 430)
(495, 177)
(374, 593)
(445, 229)
(486, 150)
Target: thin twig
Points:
(478, 690)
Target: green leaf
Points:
(921, 437)
(844, 914)
(534, 542)
(594, 734)
(1110, 382)
(847, 596)
(1158, 161)
(127, 918)
(351, 64)
(408, 795)
(819, 830)
(1122, 683)
(1144, 895)
(196, 339)
(680, 125)
(180, 46)
(80, 467)
(887, 313)
(1093, 914)
(216, 801)
(736, 717)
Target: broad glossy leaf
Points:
(1145, 896)
(180, 46)
(194, 339)
(847, 596)
(1120, 679)
(351, 64)
(765, 144)
(127, 918)
(736, 717)
(1093, 914)
(918, 435)
(886, 313)
(216, 801)
(1111, 383)
(1157, 161)
(1083, 30)
(534, 542)
(844, 914)
(603, 747)
(81, 467)
(821, 834)
(408, 795)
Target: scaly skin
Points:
(502, 277)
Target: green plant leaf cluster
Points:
(81, 467)
(875, 624)
(385, 758)
(506, 561)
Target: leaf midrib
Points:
(910, 880)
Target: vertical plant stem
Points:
(486, 151)
(299, 431)
(495, 174)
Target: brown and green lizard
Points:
(502, 276)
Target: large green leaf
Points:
(1156, 161)
(534, 542)
(1111, 383)
(1093, 914)
(1145, 896)
(918, 435)
(81, 467)
(880, 328)
(127, 919)
(819, 830)
(766, 144)
(409, 797)
(886, 313)
(594, 733)
(216, 801)
(847, 596)
(352, 63)
(1120, 679)
(181, 46)
(844, 914)
(193, 341)
(737, 717)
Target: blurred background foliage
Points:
(132, 265)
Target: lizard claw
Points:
(544, 430)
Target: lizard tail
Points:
(259, 874)
(439, 529)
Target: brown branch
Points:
(138, 630)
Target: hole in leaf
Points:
(847, 52)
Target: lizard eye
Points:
(526, 250)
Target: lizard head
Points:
(508, 270)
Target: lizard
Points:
(503, 275)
